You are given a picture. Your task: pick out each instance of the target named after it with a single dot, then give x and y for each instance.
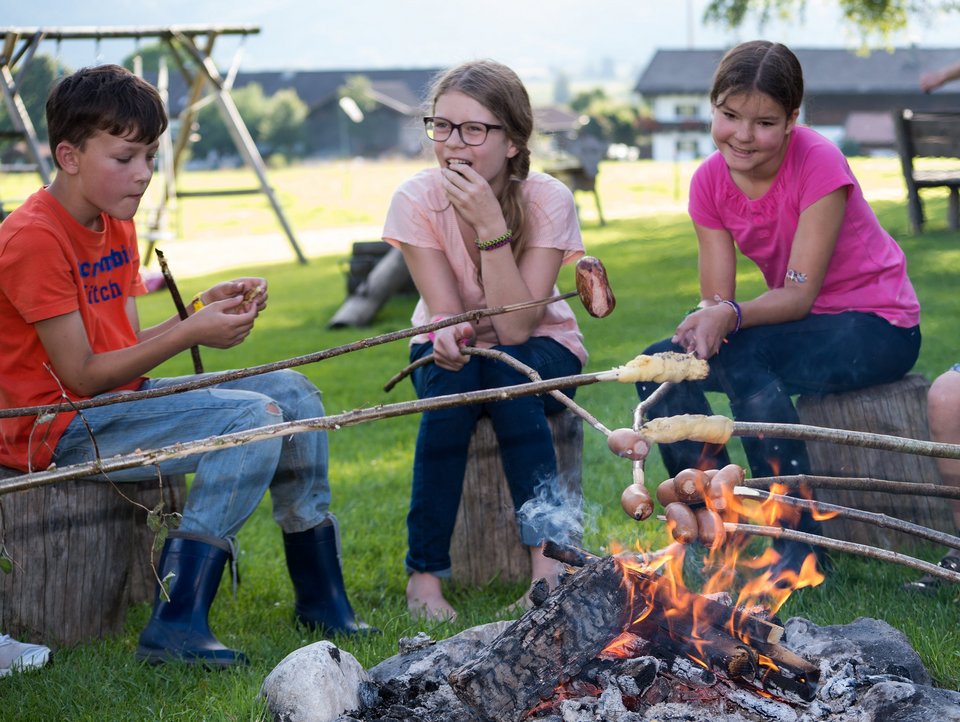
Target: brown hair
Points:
(103, 98)
(498, 89)
(760, 65)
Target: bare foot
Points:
(541, 568)
(425, 599)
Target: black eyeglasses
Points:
(472, 132)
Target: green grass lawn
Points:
(651, 261)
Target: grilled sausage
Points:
(636, 501)
(691, 485)
(667, 492)
(681, 522)
(627, 443)
(710, 530)
(594, 288)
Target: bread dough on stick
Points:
(665, 366)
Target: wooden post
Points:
(486, 540)
(81, 556)
(900, 409)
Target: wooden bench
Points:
(898, 409)
(81, 556)
(486, 542)
(929, 135)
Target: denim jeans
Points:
(759, 369)
(229, 483)
(440, 459)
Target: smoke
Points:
(555, 512)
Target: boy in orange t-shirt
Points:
(69, 275)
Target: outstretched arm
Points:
(813, 244)
(221, 324)
(935, 78)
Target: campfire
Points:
(621, 640)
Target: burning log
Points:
(549, 646)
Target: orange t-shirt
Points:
(51, 265)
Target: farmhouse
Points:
(849, 96)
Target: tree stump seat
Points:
(81, 556)
(486, 542)
(897, 409)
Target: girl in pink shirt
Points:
(839, 312)
(482, 230)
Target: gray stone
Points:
(316, 683)
(875, 646)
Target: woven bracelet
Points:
(496, 242)
(736, 309)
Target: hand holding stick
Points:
(592, 304)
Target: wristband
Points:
(432, 334)
(197, 302)
(496, 242)
(736, 309)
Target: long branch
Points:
(337, 421)
(865, 439)
(868, 517)
(863, 550)
(218, 378)
(516, 365)
(798, 481)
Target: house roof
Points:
(402, 90)
(825, 71)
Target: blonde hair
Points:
(500, 90)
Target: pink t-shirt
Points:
(868, 270)
(420, 215)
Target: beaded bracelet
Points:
(736, 309)
(496, 242)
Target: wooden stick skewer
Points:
(513, 363)
(151, 457)
(178, 302)
(217, 378)
(868, 517)
(863, 550)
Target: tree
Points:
(879, 18)
(275, 123)
(611, 120)
(282, 128)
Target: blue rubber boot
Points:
(321, 603)
(178, 630)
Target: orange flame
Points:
(762, 594)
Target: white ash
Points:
(869, 673)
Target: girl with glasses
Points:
(482, 230)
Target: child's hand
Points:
(223, 324)
(702, 332)
(447, 343)
(252, 289)
(471, 195)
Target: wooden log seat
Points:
(486, 542)
(898, 409)
(81, 556)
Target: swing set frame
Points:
(191, 47)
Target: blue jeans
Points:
(229, 483)
(760, 367)
(526, 445)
